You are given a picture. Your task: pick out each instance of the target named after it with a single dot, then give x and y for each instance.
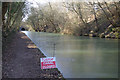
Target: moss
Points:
(116, 32)
(116, 29)
(116, 35)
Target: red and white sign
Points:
(48, 62)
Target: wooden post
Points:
(54, 50)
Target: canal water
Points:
(79, 57)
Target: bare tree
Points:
(95, 15)
(106, 14)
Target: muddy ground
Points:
(21, 59)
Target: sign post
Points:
(49, 62)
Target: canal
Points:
(79, 56)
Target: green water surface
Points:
(80, 57)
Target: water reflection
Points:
(80, 57)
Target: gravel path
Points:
(21, 59)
